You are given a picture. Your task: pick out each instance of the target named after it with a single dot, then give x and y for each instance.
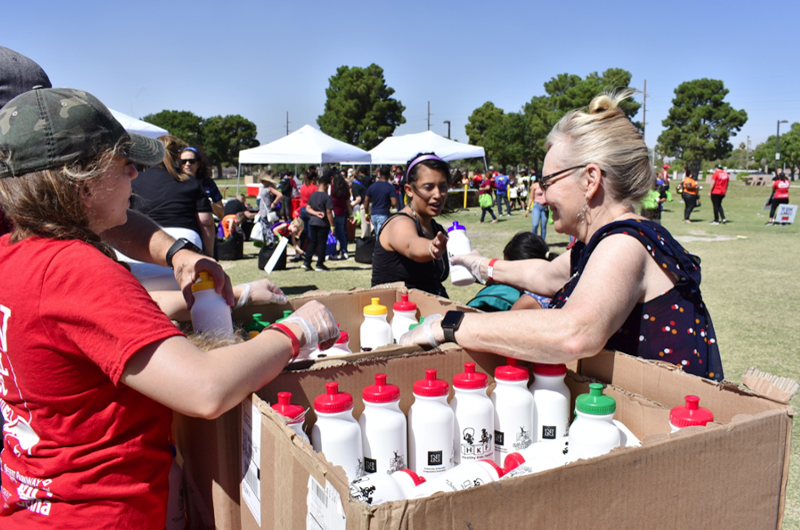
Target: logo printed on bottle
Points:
(499, 437)
(473, 450)
(549, 432)
(523, 439)
(370, 465)
(435, 458)
(397, 462)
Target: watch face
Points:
(452, 319)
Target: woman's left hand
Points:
(438, 246)
(425, 333)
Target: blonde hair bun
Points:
(609, 100)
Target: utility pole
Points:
(644, 112)
(747, 154)
(287, 123)
(448, 128)
(778, 146)
(429, 115)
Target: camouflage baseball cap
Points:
(49, 128)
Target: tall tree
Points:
(359, 108)
(700, 122)
(790, 149)
(225, 136)
(182, 124)
(479, 122)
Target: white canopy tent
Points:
(138, 126)
(306, 145)
(399, 149)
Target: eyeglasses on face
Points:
(188, 161)
(546, 180)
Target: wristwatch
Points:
(181, 244)
(450, 324)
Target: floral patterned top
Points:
(674, 327)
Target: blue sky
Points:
(261, 59)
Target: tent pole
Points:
(238, 178)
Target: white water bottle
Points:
(513, 410)
(547, 454)
(384, 430)
(377, 488)
(337, 433)
(689, 415)
(551, 400)
(458, 243)
(474, 413)
(294, 414)
(593, 433)
(462, 477)
(430, 427)
(211, 314)
(405, 315)
(375, 330)
(176, 513)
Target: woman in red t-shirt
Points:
(309, 187)
(780, 195)
(90, 367)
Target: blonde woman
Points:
(625, 285)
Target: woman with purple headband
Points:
(411, 246)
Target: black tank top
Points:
(389, 266)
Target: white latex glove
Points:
(422, 335)
(475, 262)
(261, 292)
(318, 325)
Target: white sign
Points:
(786, 213)
(251, 458)
(325, 510)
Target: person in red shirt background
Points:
(780, 195)
(718, 190)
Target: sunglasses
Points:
(188, 161)
(545, 181)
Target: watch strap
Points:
(450, 330)
(180, 244)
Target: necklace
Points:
(416, 217)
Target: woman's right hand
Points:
(318, 326)
(473, 262)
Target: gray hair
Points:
(606, 137)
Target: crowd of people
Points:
(88, 392)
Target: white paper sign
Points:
(786, 213)
(251, 458)
(325, 511)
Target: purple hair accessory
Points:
(418, 160)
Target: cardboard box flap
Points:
(776, 388)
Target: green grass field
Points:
(748, 284)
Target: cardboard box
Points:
(210, 449)
(731, 474)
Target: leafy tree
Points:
(479, 122)
(700, 123)
(790, 150)
(225, 136)
(180, 123)
(359, 108)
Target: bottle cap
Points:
(469, 378)
(375, 308)
(512, 462)
(205, 282)
(404, 304)
(691, 414)
(549, 369)
(416, 478)
(510, 371)
(284, 407)
(500, 470)
(343, 337)
(257, 324)
(456, 226)
(286, 313)
(430, 386)
(595, 402)
(380, 392)
(333, 401)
